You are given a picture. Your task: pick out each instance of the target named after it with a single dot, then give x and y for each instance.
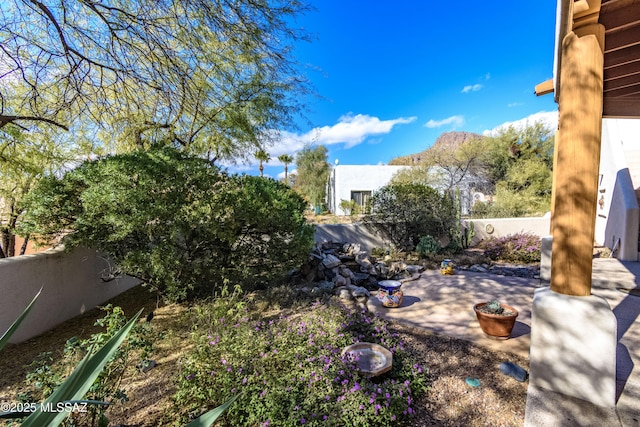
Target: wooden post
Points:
(577, 160)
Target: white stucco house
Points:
(357, 182)
(617, 212)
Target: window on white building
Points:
(362, 198)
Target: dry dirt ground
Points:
(498, 401)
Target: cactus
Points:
(427, 245)
(469, 233)
(494, 307)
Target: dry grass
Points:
(499, 401)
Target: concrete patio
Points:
(444, 304)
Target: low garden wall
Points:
(485, 228)
(71, 284)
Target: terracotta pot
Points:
(496, 326)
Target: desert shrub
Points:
(427, 245)
(175, 221)
(349, 207)
(379, 252)
(519, 247)
(288, 371)
(405, 212)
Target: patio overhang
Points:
(621, 77)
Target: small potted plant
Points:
(496, 320)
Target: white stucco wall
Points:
(347, 178)
(618, 216)
(71, 284)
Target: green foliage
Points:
(519, 247)
(494, 307)
(26, 158)
(212, 76)
(350, 207)
(312, 173)
(286, 159)
(427, 246)
(289, 370)
(263, 157)
(81, 379)
(405, 212)
(520, 164)
(87, 371)
(14, 326)
(379, 252)
(179, 224)
(47, 377)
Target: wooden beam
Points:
(625, 91)
(622, 39)
(622, 56)
(617, 14)
(544, 88)
(628, 69)
(628, 81)
(626, 107)
(577, 163)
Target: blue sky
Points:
(392, 76)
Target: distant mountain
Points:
(447, 139)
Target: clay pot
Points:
(446, 267)
(390, 294)
(496, 326)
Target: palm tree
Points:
(262, 156)
(286, 159)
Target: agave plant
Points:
(71, 391)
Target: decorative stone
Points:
(325, 285)
(331, 261)
(413, 269)
(358, 291)
(516, 372)
(345, 294)
(340, 280)
(478, 269)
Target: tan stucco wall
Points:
(540, 226)
(358, 233)
(70, 282)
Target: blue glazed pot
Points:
(390, 294)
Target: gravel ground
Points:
(498, 401)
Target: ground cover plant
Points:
(448, 401)
(288, 370)
(519, 247)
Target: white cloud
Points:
(350, 130)
(548, 118)
(471, 88)
(455, 120)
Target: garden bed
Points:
(449, 401)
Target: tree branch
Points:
(6, 119)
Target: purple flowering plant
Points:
(519, 247)
(288, 370)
